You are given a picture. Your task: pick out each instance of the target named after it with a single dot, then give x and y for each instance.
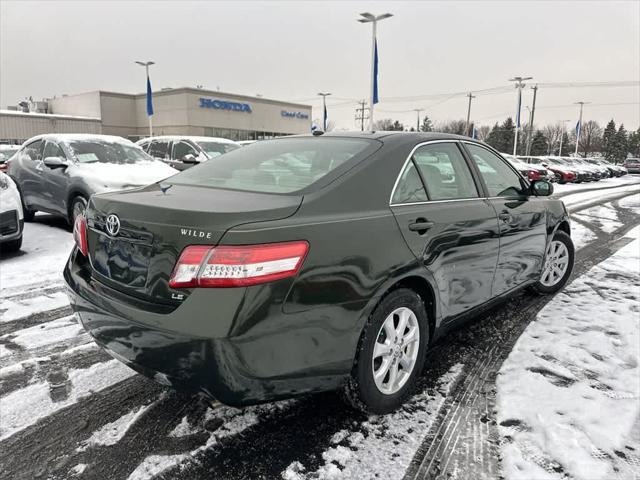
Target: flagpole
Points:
(370, 18)
(519, 86)
(149, 116)
(579, 129)
(324, 110)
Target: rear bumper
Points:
(215, 354)
(11, 226)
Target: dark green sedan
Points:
(312, 263)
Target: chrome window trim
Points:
(404, 165)
(428, 202)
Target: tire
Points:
(361, 390)
(28, 213)
(78, 205)
(555, 281)
(11, 246)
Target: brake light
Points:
(80, 234)
(533, 175)
(237, 266)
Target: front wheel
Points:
(390, 354)
(77, 207)
(558, 264)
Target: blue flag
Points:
(473, 132)
(149, 99)
(375, 73)
(518, 112)
(578, 129)
(325, 118)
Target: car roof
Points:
(194, 138)
(399, 138)
(69, 137)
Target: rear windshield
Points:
(93, 151)
(215, 149)
(274, 166)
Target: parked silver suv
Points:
(182, 152)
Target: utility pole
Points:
(579, 127)
(360, 114)
(533, 112)
(519, 85)
(418, 110)
(466, 127)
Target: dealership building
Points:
(177, 111)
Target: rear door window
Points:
(277, 166)
(159, 149)
(445, 172)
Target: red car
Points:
(632, 165)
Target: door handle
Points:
(421, 225)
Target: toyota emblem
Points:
(112, 225)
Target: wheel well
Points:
(73, 194)
(564, 227)
(424, 290)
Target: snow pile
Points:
(569, 393)
(581, 235)
(365, 452)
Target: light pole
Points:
(519, 86)
(466, 127)
(418, 110)
(564, 129)
(579, 127)
(149, 104)
(374, 19)
(324, 110)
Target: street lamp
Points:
(519, 86)
(149, 103)
(324, 110)
(373, 19)
(579, 126)
(564, 129)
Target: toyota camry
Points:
(312, 263)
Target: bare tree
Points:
(553, 134)
(452, 126)
(483, 132)
(590, 138)
(385, 124)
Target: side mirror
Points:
(55, 162)
(542, 188)
(189, 158)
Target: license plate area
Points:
(122, 261)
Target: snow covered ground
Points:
(569, 393)
(67, 410)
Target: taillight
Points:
(80, 234)
(237, 266)
(533, 175)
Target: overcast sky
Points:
(293, 50)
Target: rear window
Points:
(94, 151)
(215, 149)
(275, 166)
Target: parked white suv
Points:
(11, 215)
(182, 152)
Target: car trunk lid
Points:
(157, 222)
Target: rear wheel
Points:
(558, 264)
(77, 207)
(390, 354)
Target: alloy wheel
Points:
(556, 263)
(396, 350)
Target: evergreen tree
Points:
(426, 126)
(621, 148)
(538, 144)
(397, 126)
(608, 140)
(634, 143)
